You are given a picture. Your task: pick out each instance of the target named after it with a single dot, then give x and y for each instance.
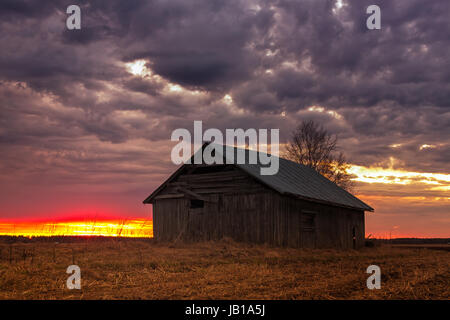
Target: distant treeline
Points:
(65, 239)
(72, 239)
(415, 240)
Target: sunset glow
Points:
(138, 228)
(393, 176)
(397, 194)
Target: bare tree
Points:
(313, 146)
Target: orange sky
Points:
(135, 228)
(407, 204)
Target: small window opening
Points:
(195, 203)
(308, 221)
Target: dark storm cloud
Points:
(17, 9)
(198, 43)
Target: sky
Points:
(86, 115)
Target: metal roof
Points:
(292, 179)
(297, 179)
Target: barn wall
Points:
(239, 216)
(239, 207)
(333, 225)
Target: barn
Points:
(296, 207)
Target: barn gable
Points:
(197, 181)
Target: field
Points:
(142, 269)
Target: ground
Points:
(142, 269)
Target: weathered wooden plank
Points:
(170, 196)
(191, 193)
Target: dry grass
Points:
(138, 269)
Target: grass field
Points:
(141, 269)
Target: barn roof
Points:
(292, 179)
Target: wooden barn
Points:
(296, 207)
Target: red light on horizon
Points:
(132, 228)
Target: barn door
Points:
(308, 229)
(195, 218)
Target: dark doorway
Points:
(308, 229)
(354, 237)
